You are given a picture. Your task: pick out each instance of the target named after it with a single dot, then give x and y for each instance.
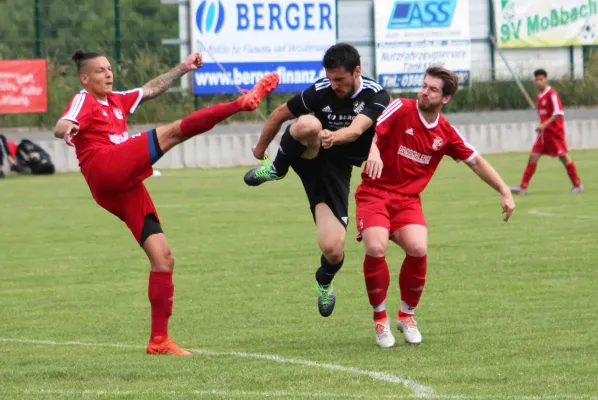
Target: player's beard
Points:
(350, 92)
(428, 107)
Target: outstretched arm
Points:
(489, 175)
(270, 129)
(159, 85)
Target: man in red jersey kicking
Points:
(412, 138)
(551, 135)
(114, 164)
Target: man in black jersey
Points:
(336, 117)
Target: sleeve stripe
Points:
(372, 85)
(305, 105)
(371, 82)
(323, 85)
(471, 157)
(467, 144)
(76, 106)
(555, 105)
(394, 106)
(136, 104)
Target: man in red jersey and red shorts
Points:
(412, 138)
(115, 164)
(551, 136)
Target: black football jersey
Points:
(336, 113)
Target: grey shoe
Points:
(577, 189)
(518, 190)
(258, 175)
(326, 299)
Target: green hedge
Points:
(63, 84)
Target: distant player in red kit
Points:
(115, 164)
(551, 135)
(10, 148)
(412, 138)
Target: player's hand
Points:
(540, 128)
(327, 138)
(259, 152)
(508, 205)
(194, 61)
(374, 164)
(70, 132)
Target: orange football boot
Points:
(163, 345)
(262, 88)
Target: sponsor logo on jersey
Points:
(327, 109)
(414, 155)
(409, 131)
(117, 138)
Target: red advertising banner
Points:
(23, 86)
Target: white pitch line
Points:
(283, 394)
(418, 390)
(547, 214)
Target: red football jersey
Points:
(411, 149)
(101, 123)
(548, 104)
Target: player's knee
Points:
(375, 249)
(417, 249)
(169, 260)
(164, 262)
(334, 251)
(306, 128)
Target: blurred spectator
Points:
(9, 148)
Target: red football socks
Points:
(527, 175)
(572, 172)
(205, 119)
(412, 279)
(377, 280)
(161, 296)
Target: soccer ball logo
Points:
(588, 33)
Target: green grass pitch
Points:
(509, 310)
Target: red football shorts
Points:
(380, 208)
(115, 177)
(550, 144)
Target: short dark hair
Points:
(342, 55)
(80, 57)
(450, 80)
(540, 72)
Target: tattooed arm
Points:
(159, 85)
